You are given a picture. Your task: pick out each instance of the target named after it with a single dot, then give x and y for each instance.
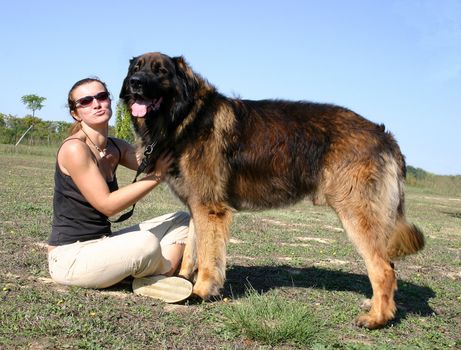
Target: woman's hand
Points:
(162, 165)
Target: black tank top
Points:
(74, 219)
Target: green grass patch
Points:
(272, 319)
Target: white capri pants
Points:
(133, 251)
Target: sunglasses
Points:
(87, 100)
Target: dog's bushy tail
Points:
(405, 240)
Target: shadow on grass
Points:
(410, 298)
(456, 215)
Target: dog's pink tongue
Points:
(139, 108)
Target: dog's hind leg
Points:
(212, 233)
(189, 259)
(368, 236)
(367, 198)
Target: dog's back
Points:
(280, 151)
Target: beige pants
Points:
(134, 251)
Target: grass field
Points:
(293, 280)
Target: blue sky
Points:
(394, 62)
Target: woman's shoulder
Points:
(74, 148)
(73, 143)
(73, 153)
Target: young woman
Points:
(82, 249)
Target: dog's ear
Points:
(185, 76)
(181, 67)
(124, 90)
(179, 62)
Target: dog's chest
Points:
(179, 188)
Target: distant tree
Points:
(417, 173)
(33, 102)
(123, 128)
(3, 130)
(43, 132)
(61, 130)
(112, 132)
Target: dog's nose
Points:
(135, 82)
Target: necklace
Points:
(102, 152)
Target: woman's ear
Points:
(75, 116)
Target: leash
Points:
(147, 153)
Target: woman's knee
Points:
(149, 258)
(178, 231)
(146, 244)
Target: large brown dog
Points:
(247, 155)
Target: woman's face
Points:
(92, 104)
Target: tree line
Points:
(31, 130)
(41, 132)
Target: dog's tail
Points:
(405, 240)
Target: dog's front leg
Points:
(189, 259)
(212, 234)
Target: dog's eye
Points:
(159, 69)
(138, 65)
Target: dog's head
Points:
(155, 83)
(150, 79)
(158, 90)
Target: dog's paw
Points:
(369, 321)
(188, 271)
(207, 291)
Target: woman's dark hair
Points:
(71, 103)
